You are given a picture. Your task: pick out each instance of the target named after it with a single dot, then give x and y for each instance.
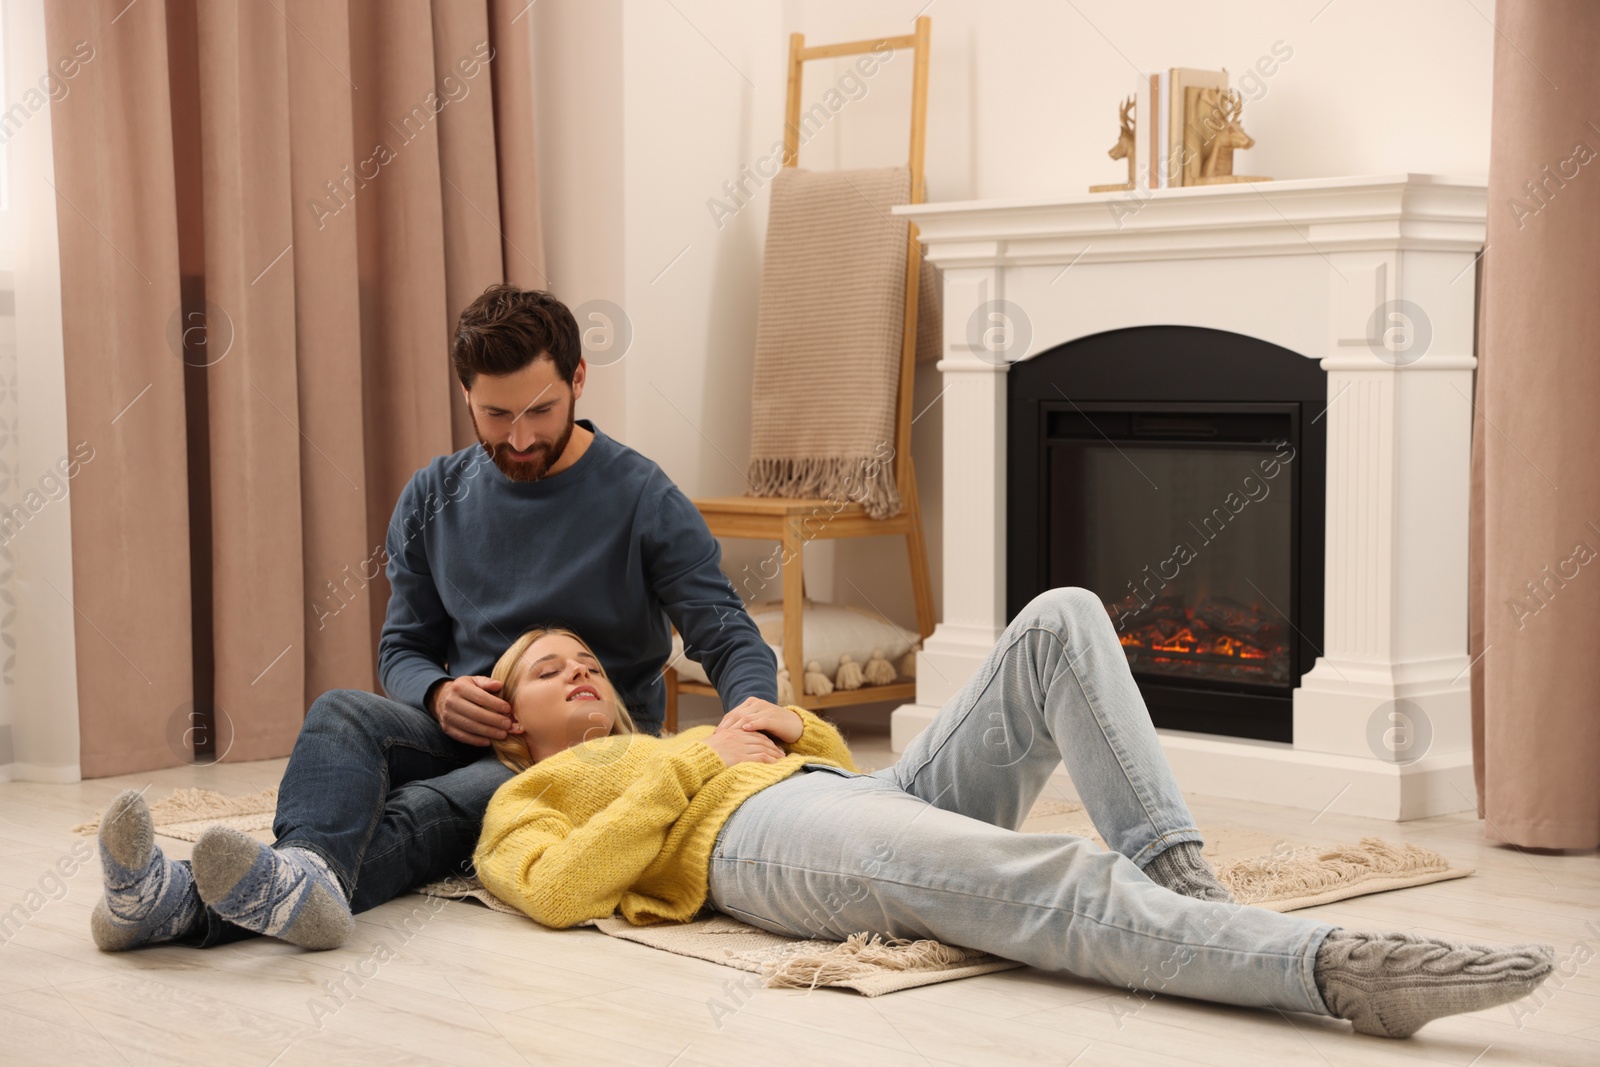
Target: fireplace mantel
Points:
(1319, 267)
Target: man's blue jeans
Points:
(929, 848)
(381, 793)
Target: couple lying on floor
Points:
(763, 817)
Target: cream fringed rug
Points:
(1259, 869)
(187, 812)
(1278, 875)
(866, 963)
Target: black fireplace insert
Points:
(1178, 473)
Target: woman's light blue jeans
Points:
(929, 848)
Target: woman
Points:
(764, 818)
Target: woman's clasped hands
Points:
(751, 732)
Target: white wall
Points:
(1022, 102)
(39, 691)
(578, 163)
(1023, 93)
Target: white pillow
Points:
(829, 631)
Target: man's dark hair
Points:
(508, 328)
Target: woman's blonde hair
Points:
(513, 751)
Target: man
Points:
(547, 521)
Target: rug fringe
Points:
(1312, 868)
(188, 805)
(860, 955)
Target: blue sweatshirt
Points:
(609, 548)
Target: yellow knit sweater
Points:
(626, 823)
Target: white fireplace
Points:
(1374, 277)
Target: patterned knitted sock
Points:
(1389, 985)
(1183, 869)
(286, 893)
(148, 898)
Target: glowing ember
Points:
(1218, 640)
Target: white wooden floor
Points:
(436, 982)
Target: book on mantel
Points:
(1164, 136)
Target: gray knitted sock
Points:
(148, 898)
(285, 893)
(1389, 985)
(1182, 869)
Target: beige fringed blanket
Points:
(1257, 868)
(828, 337)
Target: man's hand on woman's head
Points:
(468, 710)
(757, 714)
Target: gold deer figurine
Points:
(1212, 132)
(1124, 148)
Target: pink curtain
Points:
(1535, 589)
(270, 215)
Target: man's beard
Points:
(528, 470)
